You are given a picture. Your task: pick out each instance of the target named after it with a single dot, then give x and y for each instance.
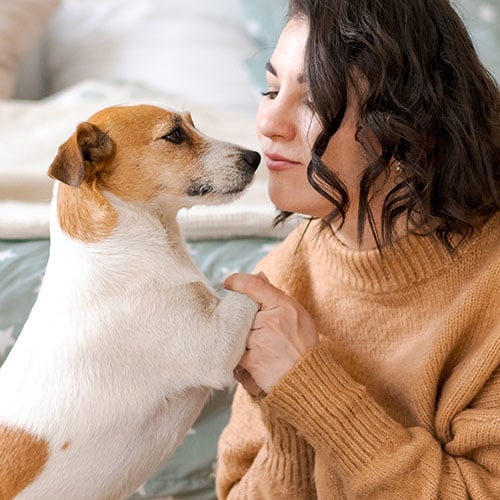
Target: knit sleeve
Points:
(376, 456)
(262, 457)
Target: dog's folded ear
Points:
(82, 155)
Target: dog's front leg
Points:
(235, 314)
(204, 335)
(217, 329)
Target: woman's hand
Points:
(281, 333)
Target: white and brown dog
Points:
(126, 339)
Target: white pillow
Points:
(190, 48)
(21, 21)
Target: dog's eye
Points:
(176, 136)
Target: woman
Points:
(372, 368)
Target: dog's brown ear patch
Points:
(81, 155)
(95, 145)
(22, 458)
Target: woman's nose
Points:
(275, 120)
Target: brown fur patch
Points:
(85, 214)
(207, 300)
(141, 165)
(22, 458)
(144, 164)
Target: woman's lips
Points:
(278, 162)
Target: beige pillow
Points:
(21, 22)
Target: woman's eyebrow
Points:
(271, 69)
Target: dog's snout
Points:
(251, 158)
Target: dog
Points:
(126, 340)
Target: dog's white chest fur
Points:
(121, 350)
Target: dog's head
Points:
(153, 156)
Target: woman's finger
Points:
(257, 287)
(246, 380)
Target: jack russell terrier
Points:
(126, 339)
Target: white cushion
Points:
(190, 48)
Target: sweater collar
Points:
(410, 260)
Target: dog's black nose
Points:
(251, 158)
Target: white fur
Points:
(118, 356)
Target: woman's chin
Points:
(304, 201)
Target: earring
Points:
(399, 166)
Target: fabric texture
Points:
(400, 399)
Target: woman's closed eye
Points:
(272, 94)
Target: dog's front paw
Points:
(243, 305)
(237, 314)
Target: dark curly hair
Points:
(428, 100)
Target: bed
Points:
(64, 59)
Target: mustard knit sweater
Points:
(400, 399)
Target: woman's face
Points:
(287, 128)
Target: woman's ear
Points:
(82, 155)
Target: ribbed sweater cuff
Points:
(333, 413)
